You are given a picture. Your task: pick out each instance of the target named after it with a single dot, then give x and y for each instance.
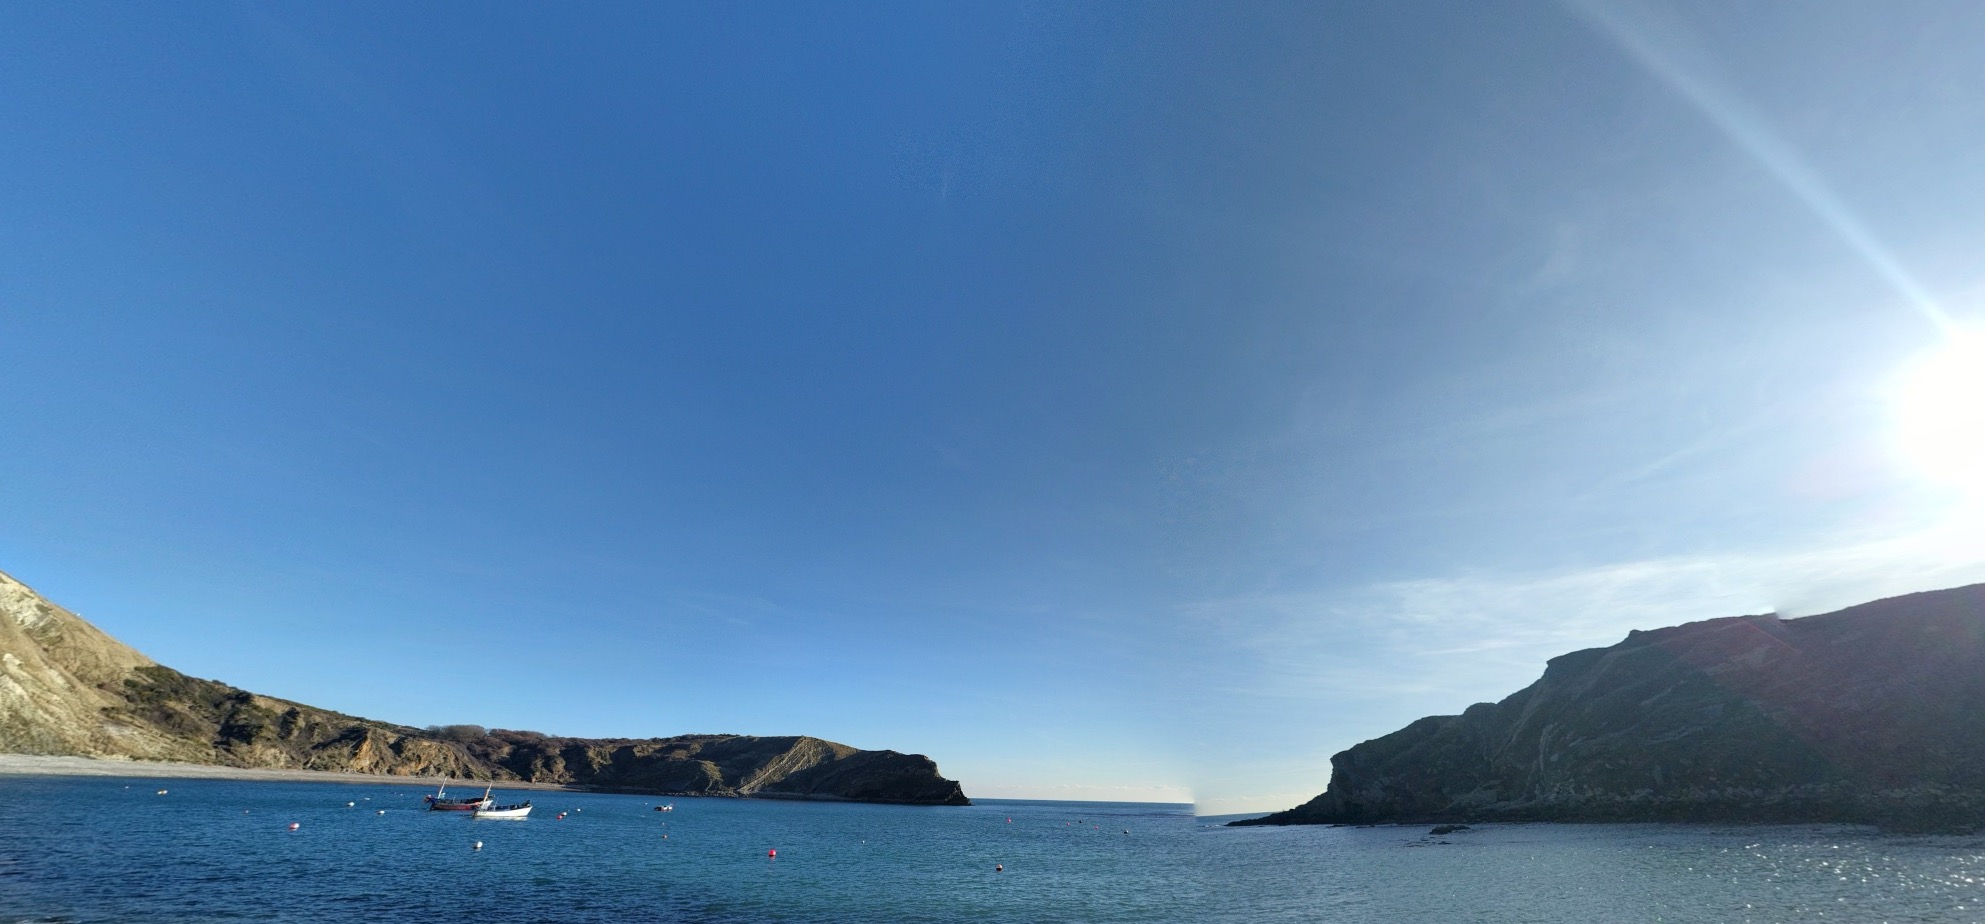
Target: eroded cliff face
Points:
(1872, 714)
(57, 676)
(67, 688)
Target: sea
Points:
(166, 851)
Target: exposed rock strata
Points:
(66, 688)
(1874, 714)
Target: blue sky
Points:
(1111, 401)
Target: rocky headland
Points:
(69, 689)
(1874, 714)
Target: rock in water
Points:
(66, 688)
(1874, 714)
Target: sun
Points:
(1940, 413)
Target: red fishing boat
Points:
(439, 802)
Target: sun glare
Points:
(1940, 413)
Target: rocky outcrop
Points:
(739, 765)
(66, 688)
(1874, 714)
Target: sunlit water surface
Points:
(103, 850)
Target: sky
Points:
(1132, 401)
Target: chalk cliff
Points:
(67, 688)
(1873, 714)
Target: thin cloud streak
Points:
(1525, 615)
(1400, 650)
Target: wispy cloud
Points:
(1302, 643)
(1366, 660)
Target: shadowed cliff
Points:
(66, 688)
(1874, 714)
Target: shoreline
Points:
(47, 765)
(110, 767)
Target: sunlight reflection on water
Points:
(91, 850)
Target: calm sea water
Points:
(104, 850)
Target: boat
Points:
(519, 810)
(439, 802)
(665, 808)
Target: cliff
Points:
(67, 688)
(1874, 714)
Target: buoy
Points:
(350, 804)
(665, 837)
(478, 845)
(771, 853)
(382, 811)
(161, 792)
(999, 867)
(293, 826)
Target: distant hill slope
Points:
(67, 688)
(1873, 714)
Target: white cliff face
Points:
(21, 604)
(53, 666)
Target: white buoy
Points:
(350, 804)
(382, 811)
(478, 845)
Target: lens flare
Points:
(1940, 413)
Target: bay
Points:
(96, 849)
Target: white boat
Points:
(520, 810)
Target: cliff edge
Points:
(1874, 714)
(67, 688)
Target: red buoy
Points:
(293, 826)
(771, 853)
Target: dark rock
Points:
(1874, 714)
